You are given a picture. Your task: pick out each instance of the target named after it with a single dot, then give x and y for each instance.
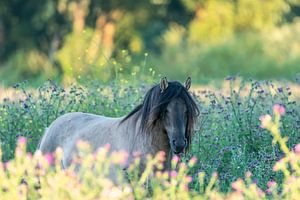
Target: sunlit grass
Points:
(228, 138)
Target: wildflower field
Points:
(101, 57)
(244, 147)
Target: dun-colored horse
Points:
(163, 122)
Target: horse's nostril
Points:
(174, 142)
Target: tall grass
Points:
(41, 177)
(228, 139)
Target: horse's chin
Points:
(178, 153)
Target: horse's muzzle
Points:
(178, 146)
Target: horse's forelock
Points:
(155, 103)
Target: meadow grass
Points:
(228, 140)
(36, 176)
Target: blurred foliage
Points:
(218, 19)
(263, 55)
(83, 38)
(207, 26)
(30, 65)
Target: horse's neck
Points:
(159, 140)
(148, 143)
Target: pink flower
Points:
(260, 192)
(271, 184)
(186, 188)
(265, 120)
(192, 161)
(161, 156)
(188, 179)
(6, 165)
(279, 109)
(268, 191)
(107, 146)
(158, 174)
(49, 158)
(175, 159)
(29, 155)
(215, 174)
(182, 166)
(248, 174)
(173, 174)
(297, 149)
(22, 140)
(124, 159)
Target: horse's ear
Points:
(163, 84)
(188, 83)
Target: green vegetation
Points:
(101, 56)
(37, 176)
(272, 54)
(228, 139)
(70, 40)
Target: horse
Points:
(164, 121)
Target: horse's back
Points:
(69, 127)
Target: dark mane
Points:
(155, 102)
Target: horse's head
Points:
(169, 106)
(169, 109)
(178, 113)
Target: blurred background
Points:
(77, 40)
